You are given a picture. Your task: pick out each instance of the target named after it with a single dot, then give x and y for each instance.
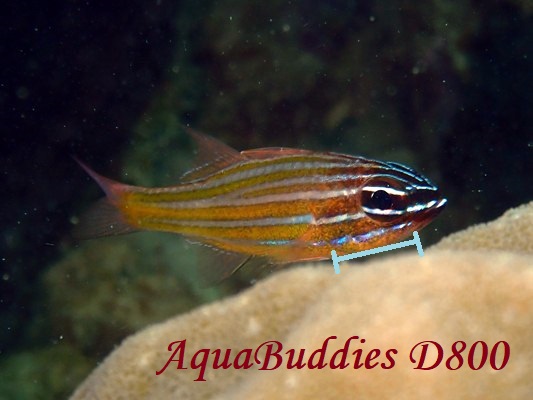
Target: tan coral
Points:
(393, 303)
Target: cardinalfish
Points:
(282, 204)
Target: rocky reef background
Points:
(445, 88)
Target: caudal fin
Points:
(101, 219)
(104, 218)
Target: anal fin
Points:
(216, 265)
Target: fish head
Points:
(397, 201)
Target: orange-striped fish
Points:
(283, 204)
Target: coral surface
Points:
(512, 232)
(467, 289)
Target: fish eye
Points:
(380, 199)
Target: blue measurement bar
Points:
(415, 241)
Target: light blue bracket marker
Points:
(416, 241)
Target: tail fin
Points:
(104, 218)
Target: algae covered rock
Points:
(107, 289)
(449, 297)
(49, 372)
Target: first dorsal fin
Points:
(212, 156)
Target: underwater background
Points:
(444, 87)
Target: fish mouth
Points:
(438, 206)
(431, 211)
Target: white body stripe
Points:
(293, 220)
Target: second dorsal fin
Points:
(212, 156)
(268, 152)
